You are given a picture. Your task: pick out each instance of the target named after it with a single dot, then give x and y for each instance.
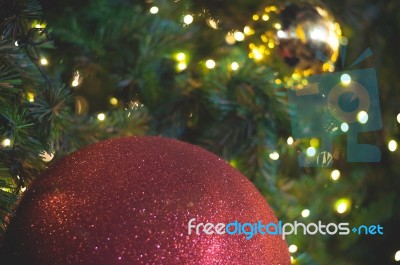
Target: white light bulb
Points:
(154, 10)
(392, 146)
(188, 19)
(210, 64)
(274, 156)
(234, 66)
(305, 213)
(292, 248)
(335, 175)
(101, 116)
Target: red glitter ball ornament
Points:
(129, 201)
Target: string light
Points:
(392, 145)
(362, 117)
(311, 151)
(181, 56)
(47, 157)
(274, 156)
(6, 142)
(281, 34)
(114, 101)
(345, 79)
(234, 66)
(290, 140)
(277, 26)
(101, 116)
(398, 118)
(77, 80)
(210, 64)
(230, 39)
(43, 61)
(154, 10)
(342, 205)
(305, 213)
(397, 256)
(256, 17)
(30, 96)
(292, 260)
(344, 127)
(314, 142)
(265, 17)
(38, 26)
(181, 66)
(212, 23)
(23, 189)
(239, 36)
(188, 19)
(335, 175)
(16, 43)
(292, 248)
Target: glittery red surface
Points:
(129, 200)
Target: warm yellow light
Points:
(182, 66)
(292, 248)
(239, 36)
(47, 157)
(44, 61)
(114, 101)
(362, 117)
(277, 26)
(235, 66)
(248, 30)
(230, 39)
(292, 260)
(30, 96)
(264, 38)
(342, 205)
(181, 56)
(188, 19)
(38, 26)
(290, 140)
(256, 17)
(212, 23)
(392, 146)
(257, 54)
(23, 189)
(75, 83)
(278, 81)
(335, 175)
(398, 118)
(314, 142)
(274, 156)
(101, 116)
(154, 10)
(305, 213)
(271, 45)
(210, 64)
(345, 79)
(265, 17)
(6, 142)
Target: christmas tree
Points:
(73, 73)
